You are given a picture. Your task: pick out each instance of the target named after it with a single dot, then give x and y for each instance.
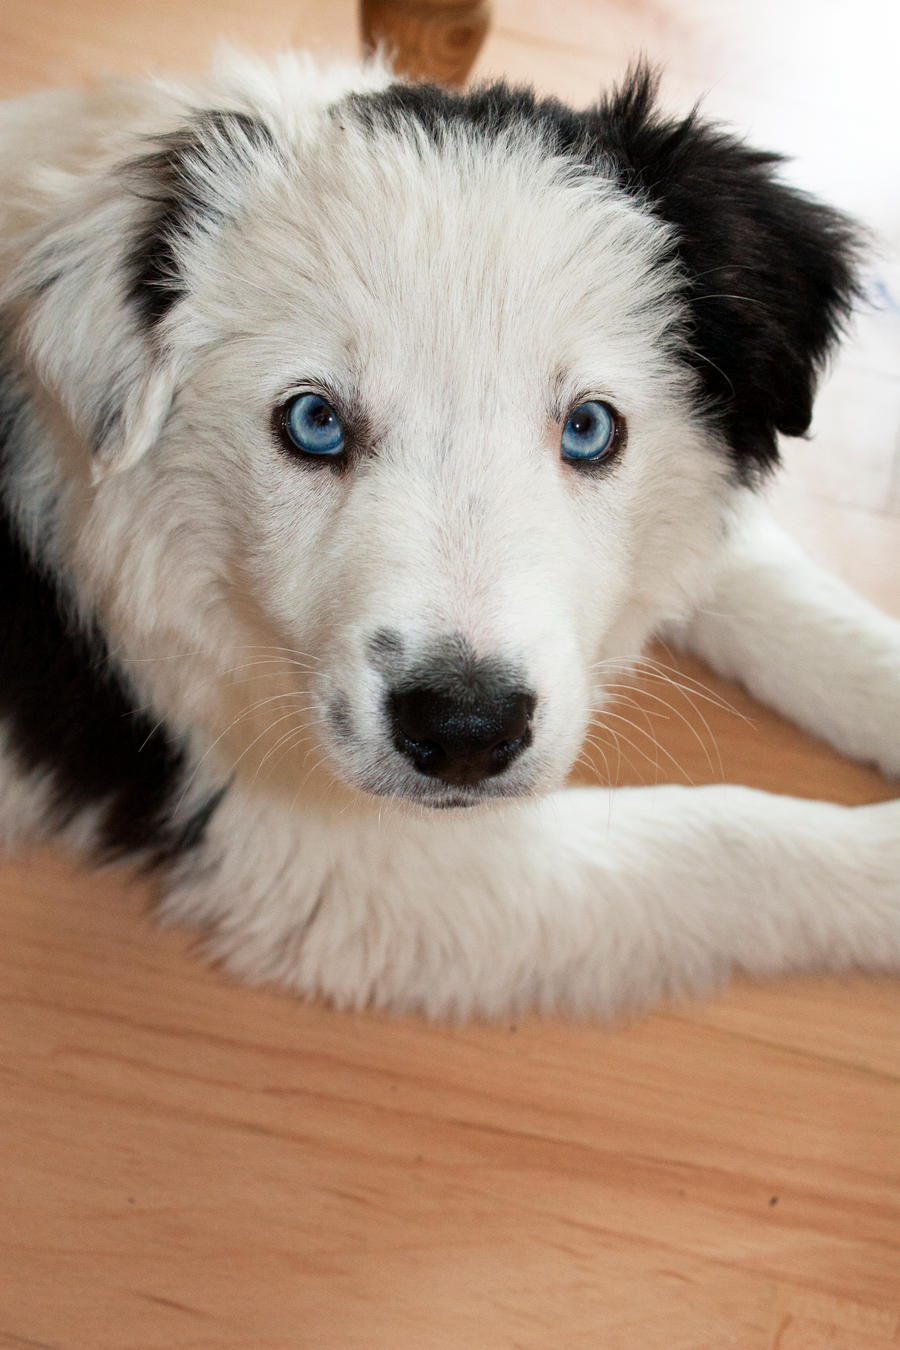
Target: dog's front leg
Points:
(584, 901)
(802, 642)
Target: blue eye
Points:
(592, 431)
(312, 426)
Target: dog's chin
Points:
(459, 798)
(426, 794)
(377, 770)
(413, 790)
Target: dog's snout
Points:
(462, 737)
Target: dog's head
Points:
(444, 397)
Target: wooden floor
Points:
(186, 1163)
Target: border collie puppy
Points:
(354, 437)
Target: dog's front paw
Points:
(883, 831)
(875, 715)
(864, 701)
(876, 897)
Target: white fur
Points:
(464, 298)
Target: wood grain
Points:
(186, 1164)
(435, 40)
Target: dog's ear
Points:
(97, 293)
(769, 273)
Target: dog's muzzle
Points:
(464, 736)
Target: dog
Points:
(353, 433)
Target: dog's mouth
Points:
(402, 785)
(453, 803)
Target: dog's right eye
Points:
(592, 433)
(310, 425)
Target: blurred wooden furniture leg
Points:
(427, 39)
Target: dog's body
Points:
(355, 438)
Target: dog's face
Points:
(421, 409)
(457, 449)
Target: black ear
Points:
(93, 293)
(193, 181)
(769, 273)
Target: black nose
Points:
(464, 736)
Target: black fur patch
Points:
(768, 273)
(176, 179)
(68, 711)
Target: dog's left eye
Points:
(309, 424)
(591, 433)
